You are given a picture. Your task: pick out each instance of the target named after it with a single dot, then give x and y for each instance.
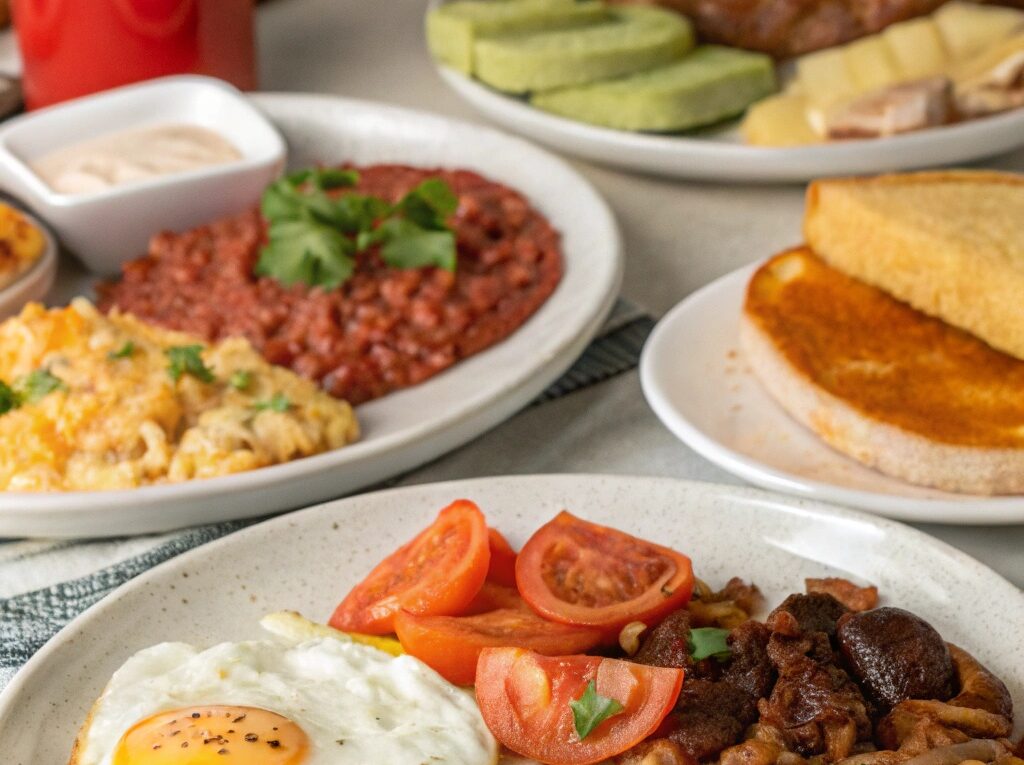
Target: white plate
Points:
(308, 560)
(721, 155)
(415, 425)
(699, 386)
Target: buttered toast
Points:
(949, 243)
(883, 383)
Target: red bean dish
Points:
(382, 330)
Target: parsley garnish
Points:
(276, 403)
(592, 709)
(29, 389)
(240, 379)
(124, 352)
(709, 642)
(313, 237)
(38, 385)
(9, 398)
(186, 360)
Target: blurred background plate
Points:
(722, 156)
(411, 426)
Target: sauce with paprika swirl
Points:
(385, 328)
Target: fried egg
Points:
(323, 701)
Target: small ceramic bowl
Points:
(108, 227)
(37, 279)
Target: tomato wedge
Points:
(503, 559)
(493, 596)
(438, 572)
(452, 644)
(577, 572)
(524, 699)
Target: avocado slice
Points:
(709, 85)
(632, 39)
(453, 28)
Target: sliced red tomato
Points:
(438, 572)
(503, 559)
(577, 572)
(493, 596)
(524, 698)
(452, 644)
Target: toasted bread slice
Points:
(949, 243)
(896, 390)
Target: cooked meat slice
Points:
(900, 108)
(658, 751)
(668, 644)
(709, 717)
(896, 656)
(787, 28)
(799, 614)
(846, 592)
(749, 667)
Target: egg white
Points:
(385, 709)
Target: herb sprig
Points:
(709, 642)
(591, 709)
(187, 360)
(29, 389)
(314, 236)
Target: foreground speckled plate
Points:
(698, 384)
(417, 424)
(308, 560)
(721, 155)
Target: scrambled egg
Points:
(21, 244)
(91, 402)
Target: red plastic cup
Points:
(72, 48)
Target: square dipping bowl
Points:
(108, 227)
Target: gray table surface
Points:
(679, 236)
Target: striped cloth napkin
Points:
(46, 583)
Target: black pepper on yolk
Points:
(213, 735)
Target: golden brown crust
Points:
(885, 359)
(949, 243)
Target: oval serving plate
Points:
(307, 561)
(696, 381)
(417, 424)
(720, 154)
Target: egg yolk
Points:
(213, 734)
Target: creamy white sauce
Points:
(133, 156)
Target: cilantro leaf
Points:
(124, 352)
(592, 709)
(276, 403)
(37, 385)
(412, 247)
(240, 379)
(187, 360)
(9, 398)
(307, 252)
(430, 204)
(313, 236)
(709, 642)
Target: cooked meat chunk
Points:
(709, 717)
(668, 644)
(749, 668)
(785, 28)
(800, 614)
(896, 656)
(979, 688)
(846, 592)
(816, 705)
